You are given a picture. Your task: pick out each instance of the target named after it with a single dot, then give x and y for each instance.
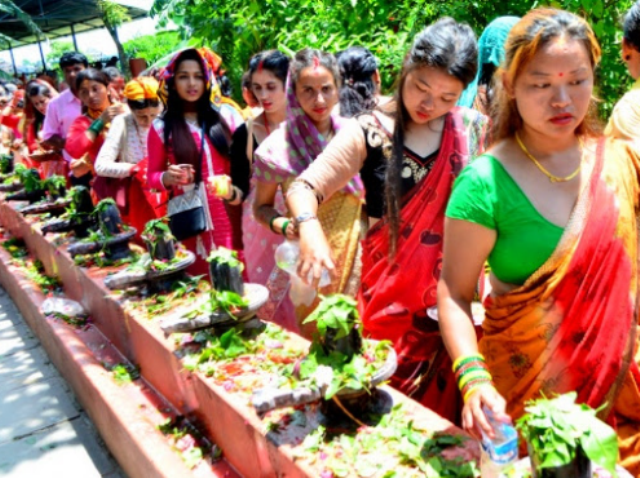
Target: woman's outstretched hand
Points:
(315, 253)
(473, 417)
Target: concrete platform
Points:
(43, 430)
(227, 416)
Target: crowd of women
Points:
(486, 178)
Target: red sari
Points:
(394, 296)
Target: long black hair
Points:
(358, 91)
(631, 26)
(176, 129)
(450, 47)
(36, 88)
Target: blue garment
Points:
(490, 51)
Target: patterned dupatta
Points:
(289, 150)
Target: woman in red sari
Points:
(553, 208)
(407, 153)
(87, 132)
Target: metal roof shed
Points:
(55, 18)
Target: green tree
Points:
(153, 47)
(237, 29)
(57, 48)
(8, 6)
(114, 15)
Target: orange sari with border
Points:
(573, 324)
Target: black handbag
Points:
(186, 212)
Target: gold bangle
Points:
(470, 392)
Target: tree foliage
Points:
(153, 47)
(237, 29)
(114, 15)
(11, 8)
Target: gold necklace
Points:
(552, 177)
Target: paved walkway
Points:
(44, 432)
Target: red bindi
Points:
(561, 75)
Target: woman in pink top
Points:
(189, 90)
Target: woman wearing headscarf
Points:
(194, 120)
(123, 156)
(479, 94)
(312, 92)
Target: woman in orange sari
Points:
(552, 206)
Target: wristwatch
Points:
(304, 217)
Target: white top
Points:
(123, 148)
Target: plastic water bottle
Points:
(499, 453)
(287, 255)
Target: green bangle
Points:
(285, 225)
(271, 223)
(97, 126)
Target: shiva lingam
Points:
(6, 166)
(162, 265)
(32, 187)
(55, 203)
(340, 368)
(112, 235)
(79, 219)
(230, 303)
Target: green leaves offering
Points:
(337, 312)
(156, 229)
(392, 448)
(54, 184)
(557, 427)
(222, 255)
(125, 373)
(5, 163)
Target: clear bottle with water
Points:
(287, 255)
(501, 452)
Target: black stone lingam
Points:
(226, 276)
(34, 189)
(226, 273)
(7, 171)
(161, 247)
(338, 339)
(81, 220)
(113, 236)
(6, 166)
(55, 203)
